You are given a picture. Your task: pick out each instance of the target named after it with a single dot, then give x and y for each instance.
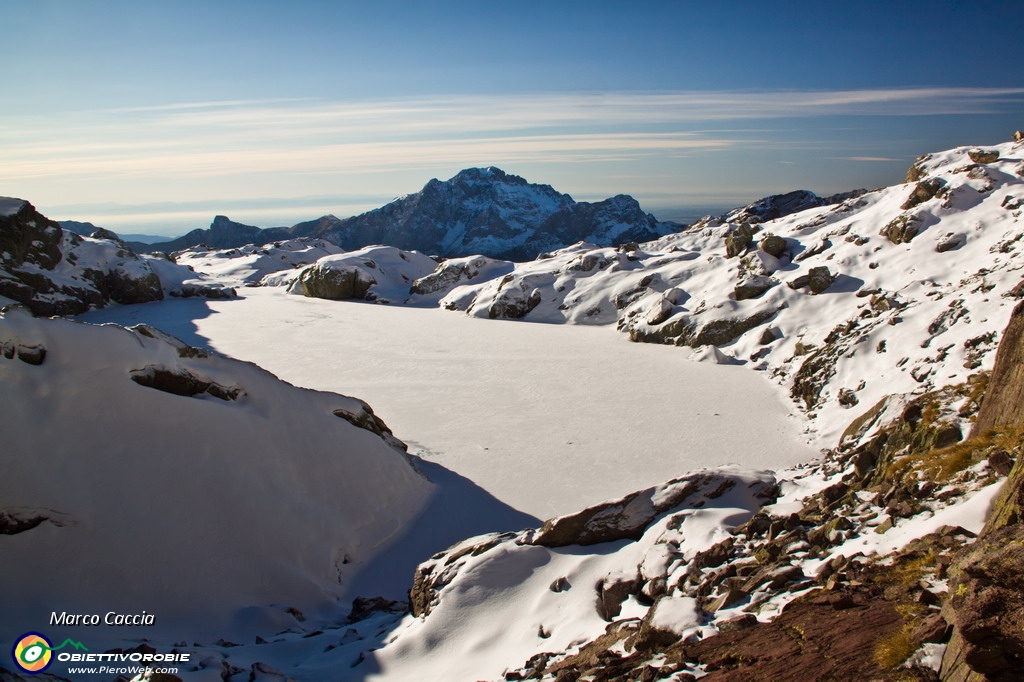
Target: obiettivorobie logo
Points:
(33, 652)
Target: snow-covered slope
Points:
(143, 474)
(901, 289)
(249, 264)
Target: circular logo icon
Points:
(32, 653)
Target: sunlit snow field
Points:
(547, 418)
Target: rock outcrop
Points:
(1004, 401)
(986, 594)
(54, 272)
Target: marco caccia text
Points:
(110, 618)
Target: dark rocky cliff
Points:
(986, 595)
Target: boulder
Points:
(902, 230)
(951, 242)
(738, 240)
(774, 245)
(983, 155)
(753, 287)
(923, 191)
(513, 303)
(819, 279)
(612, 591)
(335, 284)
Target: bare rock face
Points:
(986, 592)
(1004, 400)
(986, 605)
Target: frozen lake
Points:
(547, 418)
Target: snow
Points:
(249, 264)
(678, 615)
(10, 206)
(549, 419)
(278, 500)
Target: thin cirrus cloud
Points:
(316, 136)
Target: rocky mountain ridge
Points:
(478, 211)
(57, 272)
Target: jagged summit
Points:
(477, 211)
(490, 212)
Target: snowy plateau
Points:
(707, 435)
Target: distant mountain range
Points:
(85, 229)
(479, 211)
(482, 211)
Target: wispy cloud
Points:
(307, 138)
(229, 137)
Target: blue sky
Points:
(153, 116)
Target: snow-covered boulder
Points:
(376, 273)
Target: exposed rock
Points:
(92, 271)
(781, 205)
(773, 245)
(103, 233)
(799, 282)
(335, 284)
(1004, 401)
(660, 311)
(448, 274)
(612, 591)
(513, 303)
(847, 398)
(364, 607)
(917, 170)
(190, 290)
(819, 279)
(821, 247)
(182, 382)
(33, 355)
(983, 156)
(628, 517)
(902, 230)
(14, 520)
(367, 419)
(738, 240)
(951, 242)
(923, 191)
(986, 606)
(753, 287)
